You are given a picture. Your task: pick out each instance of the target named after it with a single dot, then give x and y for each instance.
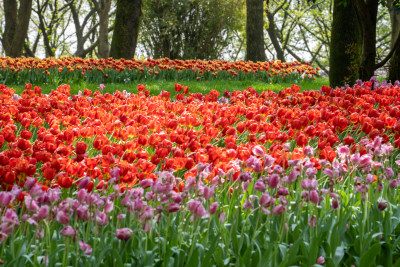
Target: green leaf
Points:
(339, 254)
(368, 258)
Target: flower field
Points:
(75, 70)
(235, 179)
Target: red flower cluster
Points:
(61, 138)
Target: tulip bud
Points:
(382, 205)
(68, 231)
(124, 233)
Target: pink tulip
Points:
(62, 217)
(278, 209)
(173, 207)
(68, 231)
(259, 186)
(273, 180)
(146, 183)
(266, 200)
(213, 207)
(10, 217)
(314, 196)
(109, 206)
(209, 192)
(84, 182)
(5, 198)
(283, 191)
(3, 237)
(85, 247)
(43, 211)
(124, 233)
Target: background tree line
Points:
(348, 39)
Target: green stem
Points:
(194, 239)
(166, 239)
(66, 252)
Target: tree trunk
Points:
(16, 26)
(126, 28)
(394, 65)
(273, 36)
(103, 9)
(255, 30)
(344, 47)
(367, 18)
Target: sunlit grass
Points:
(204, 87)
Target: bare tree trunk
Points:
(273, 36)
(80, 38)
(16, 26)
(126, 30)
(394, 66)
(255, 30)
(103, 9)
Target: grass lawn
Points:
(155, 87)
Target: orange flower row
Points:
(200, 66)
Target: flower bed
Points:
(75, 70)
(240, 178)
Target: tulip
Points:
(314, 196)
(68, 231)
(382, 205)
(43, 212)
(213, 207)
(209, 192)
(62, 217)
(246, 176)
(283, 191)
(109, 206)
(221, 216)
(258, 151)
(266, 200)
(3, 237)
(85, 247)
(146, 183)
(321, 260)
(278, 209)
(173, 207)
(84, 182)
(5, 198)
(312, 222)
(124, 233)
(335, 204)
(273, 181)
(259, 186)
(248, 204)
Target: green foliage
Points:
(189, 29)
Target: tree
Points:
(367, 11)
(274, 34)
(16, 26)
(345, 45)
(299, 30)
(51, 24)
(83, 30)
(126, 29)
(255, 30)
(181, 29)
(102, 8)
(394, 66)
